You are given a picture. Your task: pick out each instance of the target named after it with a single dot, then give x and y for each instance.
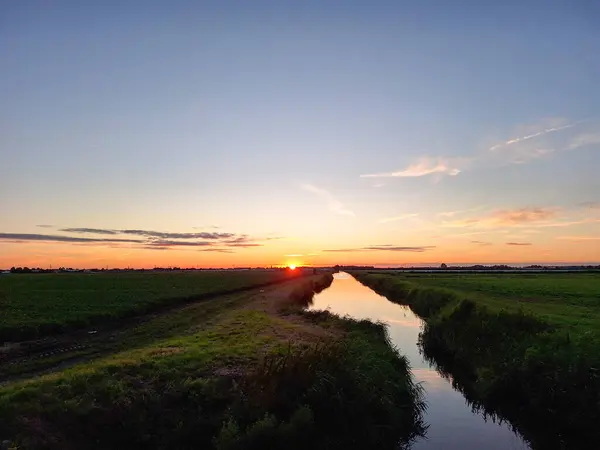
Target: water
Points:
(452, 423)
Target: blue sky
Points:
(263, 119)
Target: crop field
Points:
(32, 305)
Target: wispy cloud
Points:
(583, 140)
(424, 166)
(144, 239)
(294, 255)
(24, 237)
(213, 227)
(579, 238)
(568, 223)
(516, 140)
(518, 244)
(171, 243)
(384, 247)
(45, 226)
(482, 243)
(530, 143)
(501, 218)
(89, 231)
(396, 218)
(150, 234)
(334, 204)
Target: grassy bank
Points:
(33, 305)
(252, 378)
(515, 345)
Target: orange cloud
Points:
(521, 216)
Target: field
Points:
(525, 347)
(244, 370)
(569, 300)
(32, 305)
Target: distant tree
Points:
(443, 266)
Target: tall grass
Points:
(357, 393)
(302, 295)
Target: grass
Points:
(248, 377)
(33, 305)
(524, 346)
(567, 300)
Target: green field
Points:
(32, 305)
(235, 372)
(524, 346)
(570, 300)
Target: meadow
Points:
(523, 346)
(568, 300)
(257, 371)
(33, 305)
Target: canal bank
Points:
(452, 422)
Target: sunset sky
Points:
(239, 133)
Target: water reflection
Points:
(453, 423)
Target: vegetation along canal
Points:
(452, 422)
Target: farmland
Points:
(237, 370)
(38, 304)
(569, 300)
(522, 346)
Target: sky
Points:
(231, 133)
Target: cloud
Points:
(585, 139)
(244, 244)
(334, 205)
(45, 226)
(218, 250)
(400, 249)
(151, 234)
(424, 166)
(88, 230)
(568, 224)
(214, 227)
(482, 243)
(147, 239)
(400, 217)
(384, 247)
(524, 215)
(171, 243)
(531, 142)
(516, 140)
(520, 216)
(294, 255)
(25, 237)
(519, 243)
(579, 238)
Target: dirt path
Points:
(26, 359)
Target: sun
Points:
(292, 266)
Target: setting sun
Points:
(292, 266)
